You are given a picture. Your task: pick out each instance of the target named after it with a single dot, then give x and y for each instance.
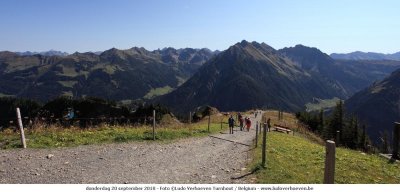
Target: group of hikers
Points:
(242, 121)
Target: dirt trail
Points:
(192, 160)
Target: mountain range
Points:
(285, 79)
(253, 75)
(114, 74)
(358, 55)
(345, 76)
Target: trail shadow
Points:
(247, 174)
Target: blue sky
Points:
(97, 25)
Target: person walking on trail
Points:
(241, 122)
(248, 123)
(231, 123)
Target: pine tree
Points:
(385, 146)
(321, 121)
(340, 120)
(335, 123)
(347, 132)
(363, 139)
(355, 133)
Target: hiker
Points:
(69, 117)
(248, 123)
(231, 123)
(255, 114)
(241, 122)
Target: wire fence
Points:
(82, 122)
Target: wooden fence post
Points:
(257, 134)
(279, 115)
(190, 117)
(329, 174)
(221, 123)
(264, 146)
(21, 128)
(154, 124)
(190, 122)
(396, 135)
(337, 138)
(209, 118)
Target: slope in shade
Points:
(245, 76)
(378, 106)
(346, 77)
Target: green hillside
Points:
(114, 74)
(296, 159)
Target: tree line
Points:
(345, 129)
(86, 112)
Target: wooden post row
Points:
(329, 174)
(21, 128)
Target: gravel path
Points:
(192, 160)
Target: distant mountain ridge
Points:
(113, 74)
(44, 53)
(358, 55)
(346, 76)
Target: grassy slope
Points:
(322, 104)
(158, 91)
(57, 137)
(296, 159)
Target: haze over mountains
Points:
(358, 55)
(44, 53)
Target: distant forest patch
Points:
(319, 104)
